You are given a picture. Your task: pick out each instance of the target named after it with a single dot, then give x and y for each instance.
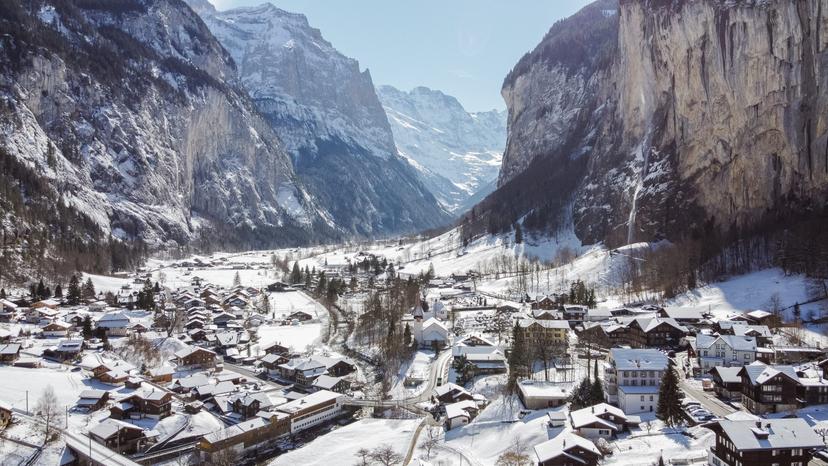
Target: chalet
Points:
(547, 331)
(574, 312)
(450, 393)
(600, 421)
(271, 362)
(244, 436)
(186, 384)
(556, 419)
(279, 287)
(92, 400)
(9, 352)
(223, 319)
(546, 314)
(783, 442)
(300, 316)
(487, 363)
(546, 303)
(195, 357)
(163, 374)
(203, 392)
(566, 450)
(682, 316)
(152, 403)
(276, 348)
(56, 329)
(120, 436)
(247, 405)
(236, 301)
(302, 371)
(761, 333)
(5, 414)
(114, 323)
(655, 332)
(460, 413)
(337, 367)
(727, 383)
(46, 303)
(334, 384)
(598, 315)
(8, 311)
(114, 377)
(66, 350)
(723, 350)
(769, 389)
(540, 395)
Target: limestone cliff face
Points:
(129, 112)
(328, 116)
(704, 112)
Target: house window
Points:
(774, 452)
(796, 452)
(642, 397)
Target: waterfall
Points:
(644, 155)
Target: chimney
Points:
(593, 409)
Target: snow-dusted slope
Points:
(326, 112)
(129, 113)
(457, 153)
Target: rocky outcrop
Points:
(457, 153)
(691, 116)
(129, 111)
(327, 114)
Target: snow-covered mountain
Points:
(128, 116)
(457, 153)
(327, 114)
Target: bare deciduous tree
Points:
(49, 413)
(432, 439)
(363, 454)
(385, 455)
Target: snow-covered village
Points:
(422, 233)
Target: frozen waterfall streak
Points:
(644, 154)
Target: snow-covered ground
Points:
(341, 445)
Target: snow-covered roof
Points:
(737, 343)
(771, 433)
(559, 445)
(326, 382)
(728, 374)
(638, 359)
(313, 399)
(761, 373)
(460, 409)
(648, 325)
(548, 390)
(109, 427)
(546, 323)
(589, 415)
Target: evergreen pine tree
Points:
(597, 388)
(58, 291)
(407, 334)
(236, 279)
(41, 290)
(73, 294)
(669, 399)
(580, 397)
(517, 357)
(518, 234)
(88, 291)
(295, 274)
(86, 329)
(2, 293)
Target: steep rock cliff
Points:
(327, 113)
(681, 116)
(128, 111)
(457, 153)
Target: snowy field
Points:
(341, 445)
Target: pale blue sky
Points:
(461, 47)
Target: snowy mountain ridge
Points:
(328, 117)
(129, 113)
(457, 153)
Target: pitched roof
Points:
(589, 415)
(563, 324)
(737, 343)
(109, 427)
(761, 373)
(771, 433)
(728, 374)
(638, 359)
(561, 444)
